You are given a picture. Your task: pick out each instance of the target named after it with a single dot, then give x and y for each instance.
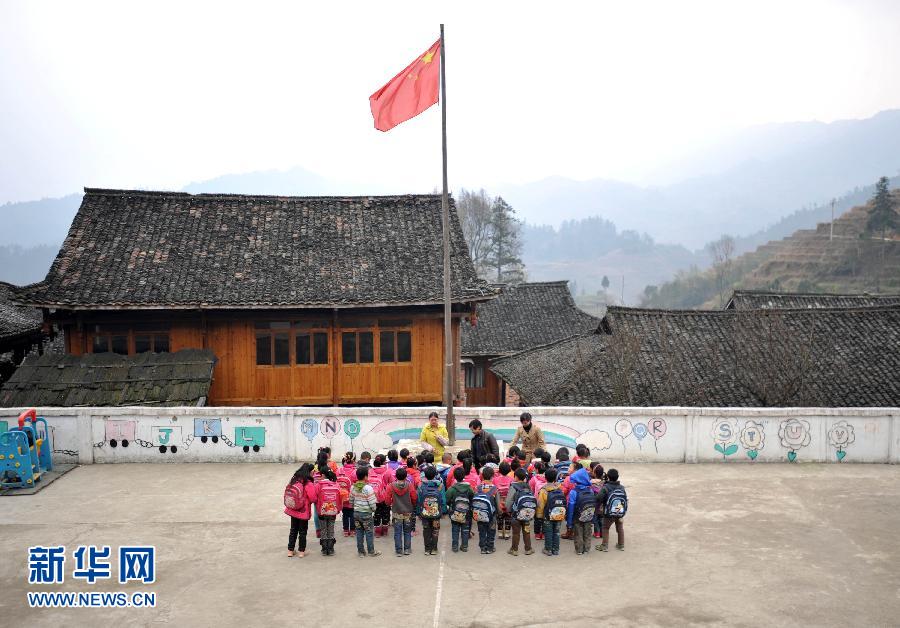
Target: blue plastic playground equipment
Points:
(25, 452)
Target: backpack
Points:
(555, 510)
(616, 503)
(431, 501)
(461, 508)
(344, 483)
(562, 470)
(585, 505)
(329, 498)
(525, 506)
(295, 498)
(483, 505)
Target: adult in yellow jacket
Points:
(435, 435)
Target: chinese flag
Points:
(409, 93)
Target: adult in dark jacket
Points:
(483, 444)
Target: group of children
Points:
(570, 499)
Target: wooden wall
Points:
(238, 380)
(489, 395)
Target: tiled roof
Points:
(16, 320)
(761, 299)
(174, 250)
(525, 316)
(819, 357)
(106, 379)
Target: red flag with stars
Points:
(409, 93)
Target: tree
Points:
(505, 246)
(882, 217)
(475, 217)
(722, 252)
(605, 282)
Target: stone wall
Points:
(730, 435)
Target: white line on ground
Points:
(440, 587)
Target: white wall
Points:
(730, 435)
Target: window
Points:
(312, 347)
(357, 347)
(474, 375)
(156, 343)
(273, 343)
(282, 343)
(395, 346)
(127, 339)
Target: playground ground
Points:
(814, 545)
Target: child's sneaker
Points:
(399, 554)
(529, 552)
(620, 547)
(597, 535)
(375, 553)
(602, 548)
(512, 552)
(547, 552)
(407, 552)
(464, 548)
(362, 554)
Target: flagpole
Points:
(445, 220)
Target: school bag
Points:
(525, 506)
(555, 510)
(616, 503)
(585, 505)
(330, 498)
(483, 505)
(295, 498)
(344, 483)
(431, 501)
(461, 508)
(562, 470)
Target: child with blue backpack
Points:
(551, 507)
(459, 502)
(432, 503)
(580, 509)
(521, 506)
(614, 502)
(485, 506)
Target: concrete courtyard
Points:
(724, 544)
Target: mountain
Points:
(739, 187)
(844, 259)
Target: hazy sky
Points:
(159, 94)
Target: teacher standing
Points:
(483, 444)
(435, 435)
(531, 436)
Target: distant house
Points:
(762, 299)
(21, 330)
(794, 357)
(524, 316)
(302, 300)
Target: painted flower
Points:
(841, 434)
(724, 431)
(794, 434)
(753, 436)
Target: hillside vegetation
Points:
(809, 260)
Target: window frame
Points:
(294, 330)
(130, 331)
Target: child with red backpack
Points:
(551, 507)
(329, 504)
(430, 506)
(346, 478)
(400, 496)
(379, 478)
(299, 495)
(502, 481)
(485, 506)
